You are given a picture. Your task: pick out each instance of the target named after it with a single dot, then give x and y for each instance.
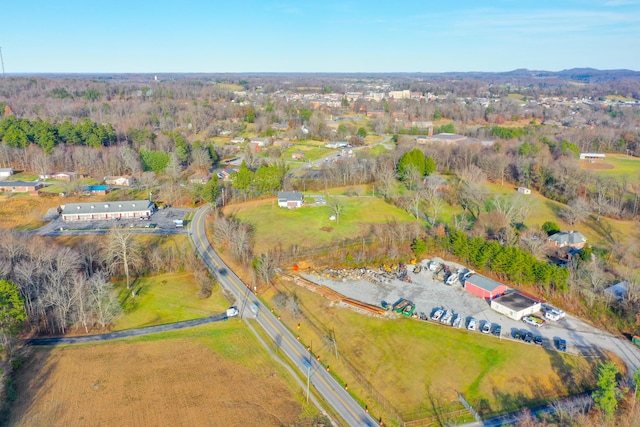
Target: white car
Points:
(472, 325)
(437, 315)
(486, 328)
(433, 266)
(552, 315)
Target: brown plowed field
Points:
(168, 382)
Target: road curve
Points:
(332, 392)
(128, 333)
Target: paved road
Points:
(332, 392)
(128, 333)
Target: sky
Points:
(140, 36)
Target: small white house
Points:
(524, 190)
(515, 305)
(290, 199)
(5, 172)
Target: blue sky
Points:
(317, 35)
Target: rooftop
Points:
(106, 207)
(515, 301)
(484, 282)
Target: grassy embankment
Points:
(418, 366)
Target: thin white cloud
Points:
(615, 3)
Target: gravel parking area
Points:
(429, 294)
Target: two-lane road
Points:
(333, 393)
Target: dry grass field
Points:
(23, 212)
(215, 375)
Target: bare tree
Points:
(122, 249)
(336, 207)
(577, 210)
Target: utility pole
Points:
(2, 61)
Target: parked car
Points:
(433, 266)
(497, 330)
(437, 315)
(528, 337)
(417, 269)
(472, 325)
(466, 275)
(486, 328)
(561, 344)
(533, 320)
(517, 334)
(537, 340)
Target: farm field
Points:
(216, 374)
(412, 363)
(310, 226)
(166, 298)
(615, 165)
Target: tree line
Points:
(19, 133)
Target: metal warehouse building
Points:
(484, 287)
(515, 305)
(107, 210)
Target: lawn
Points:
(166, 298)
(310, 152)
(218, 372)
(413, 363)
(615, 165)
(311, 226)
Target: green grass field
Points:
(412, 362)
(310, 226)
(310, 152)
(615, 165)
(166, 298)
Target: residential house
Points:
(107, 210)
(6, 172)
(254, 147)
(227, 173)
(95, 190)
(237, 140)
(30, 187)
(64, 176)
(290, 199)
(567, 239)
(122, 181)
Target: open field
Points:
(166, 298)
(23, 212)
(615, 165)
(413, 363)
(216, 374)
(310, 226)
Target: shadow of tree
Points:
(603, 228)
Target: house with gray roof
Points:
(107, 210)
(290, 199)
(567, 239)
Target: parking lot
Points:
(160, 222)
(429, 295)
